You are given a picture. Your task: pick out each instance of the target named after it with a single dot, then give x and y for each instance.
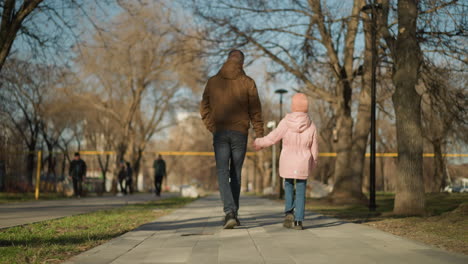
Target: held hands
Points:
(255, 146)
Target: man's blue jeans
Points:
(230, 147)
(297, 205)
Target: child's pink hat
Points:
(300, 103)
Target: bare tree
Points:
(444, 114)
(188, 135)
(414, 42)
(13, 16)
(410, 197)
(24, 20)
(57, 119)
(138, 71)
(25, 88)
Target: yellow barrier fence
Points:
(207, 153)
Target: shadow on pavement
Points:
(253, 221)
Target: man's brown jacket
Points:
(230, 101)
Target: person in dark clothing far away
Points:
(159, 166)
(77, 172)
(123, 177)
(230, 103)
(129, 180)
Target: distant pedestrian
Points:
(159, 166)
(230, 103)
(129, 182)
(298, 157)
(123, 177)
(77, 172)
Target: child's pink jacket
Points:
(300, 149)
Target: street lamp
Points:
(281, 92)
(371, 9)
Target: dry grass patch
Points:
(445, 224)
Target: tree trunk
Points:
(51, 166)
(267, 176)
(409, 199)
(31, 161)
(440, 172)
(104, 168)
(136, 167)
(347, 189)
(121, 151)
(30, 169)
(259, 180)
(362, 126)
(63, 175)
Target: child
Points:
(298, 156)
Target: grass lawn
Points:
(56, 240)
(445, 225)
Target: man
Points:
(129, 180)
(77, 172)
(159, 166)
(230, 102)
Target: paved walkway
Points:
(13, 214)
(193, 234)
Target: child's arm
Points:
(314, 149)
(274, 137)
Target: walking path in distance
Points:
(193, 234)
(20, 213)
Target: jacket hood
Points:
(298, 121)
(231, 70)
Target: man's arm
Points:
(205, 110)
(255, 110)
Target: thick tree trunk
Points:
(347, 188)
(362, 126)
(409, 199)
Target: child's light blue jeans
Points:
(297, 203)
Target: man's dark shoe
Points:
(237, 221)
(288, 220)
(230, 221)
(298, 225)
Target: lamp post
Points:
(371, 9)
(281, 92)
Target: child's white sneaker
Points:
(288, 220)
